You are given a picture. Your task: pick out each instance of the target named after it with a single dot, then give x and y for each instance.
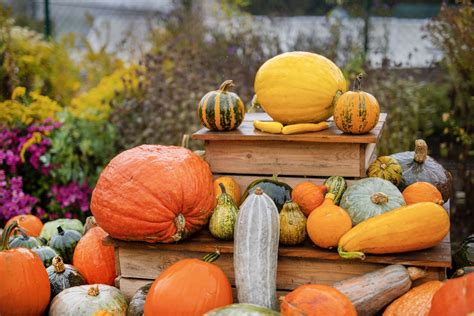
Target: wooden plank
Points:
(370, 155)
(246, 132)
(285, 158)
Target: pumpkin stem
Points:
(416, 273)
(379, 198)
(350, 254)
(6, 235)
(330, 196)
(185, 141)
(258, 191)
(93, 291)
(275, 177)
(58, 264)
(180, 223)
(357, 82)
(421, 150)
(226, 85)
(60, 230)
(222, 188)
(211, 257)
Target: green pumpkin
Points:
(279, 192)
(63, 276)
(23, 240)
(50, 228)
(369, 197)
(221, 110)
(64, 242)
(137, 302)
(464, 255)
(242, 310)
(46, 254)
(337, 186)
(224, 216)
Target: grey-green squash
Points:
(224, 216)
(64, 242)
(50, 228)
(369, 197)
(63, 276)
(256, 250)
(46, 254)
(292, 224)
(25, 241)
(242, 310)
(136, 307)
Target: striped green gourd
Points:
(337, 186)
(224, 216)
(221, 110)
(25, 241)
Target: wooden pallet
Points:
(139, 263)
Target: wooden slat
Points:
(285, 158)
(370, 155)
(246, 132)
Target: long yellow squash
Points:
(407, 228)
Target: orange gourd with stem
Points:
(422, 192)
(308, 196)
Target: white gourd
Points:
(256, 237)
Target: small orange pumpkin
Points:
(24, 283)
(231, 187)
(94, 260)
(328, 223)
(30, 224)
(416, 302)
(315, 299)
(356, 112)
(308, 196)
(189, 287)
(422, 192)
(455, 297)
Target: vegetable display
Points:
(63, 276)
(422, 192)
(370, 197)
(408, 228)
(224, 216)
(299, 87)
(308, 196)
(292, 224)
(278, 191)
(169, 196)
(30, 224)
(356, 112)
(24, 285)
(372, 291)
(136, 307)
(64, 243)
(386, 168)
(418, 166)
(256, 250)
(221, 110)
(189, 287)
(231, 187)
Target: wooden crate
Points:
(139, 263)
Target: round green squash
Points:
(279, 192)
(337, 186)
(46, 254)
(387, 168)
(137, 302)
(63, 276)
(88, 299)
(221, 110)
(369, 197)
(224, 216)
(464, 255)
(25, 241)
(242, 310)
(64, 242)
(50, 228)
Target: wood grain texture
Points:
(370, 155)
(285, 158)
(246, 132)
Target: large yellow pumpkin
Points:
(299, 87)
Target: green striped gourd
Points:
(25, 241)
(256, 250)
(221, 110)
(337, 186)
(222, 222)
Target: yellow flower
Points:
(18, 92)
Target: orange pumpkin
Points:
(422, 192)
(356, 112)
(24, 283)
(154, 193)
(315, 299)
(94, 260)
(455, 297)
(416, 302)
(30, 224)
(308, 196)
(231, 187)
(328, 223)
(189, 287)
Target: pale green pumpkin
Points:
(369, 197)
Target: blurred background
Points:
(82, 80)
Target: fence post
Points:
(47, 21)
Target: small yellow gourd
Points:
(304, 128)
(268, 127)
